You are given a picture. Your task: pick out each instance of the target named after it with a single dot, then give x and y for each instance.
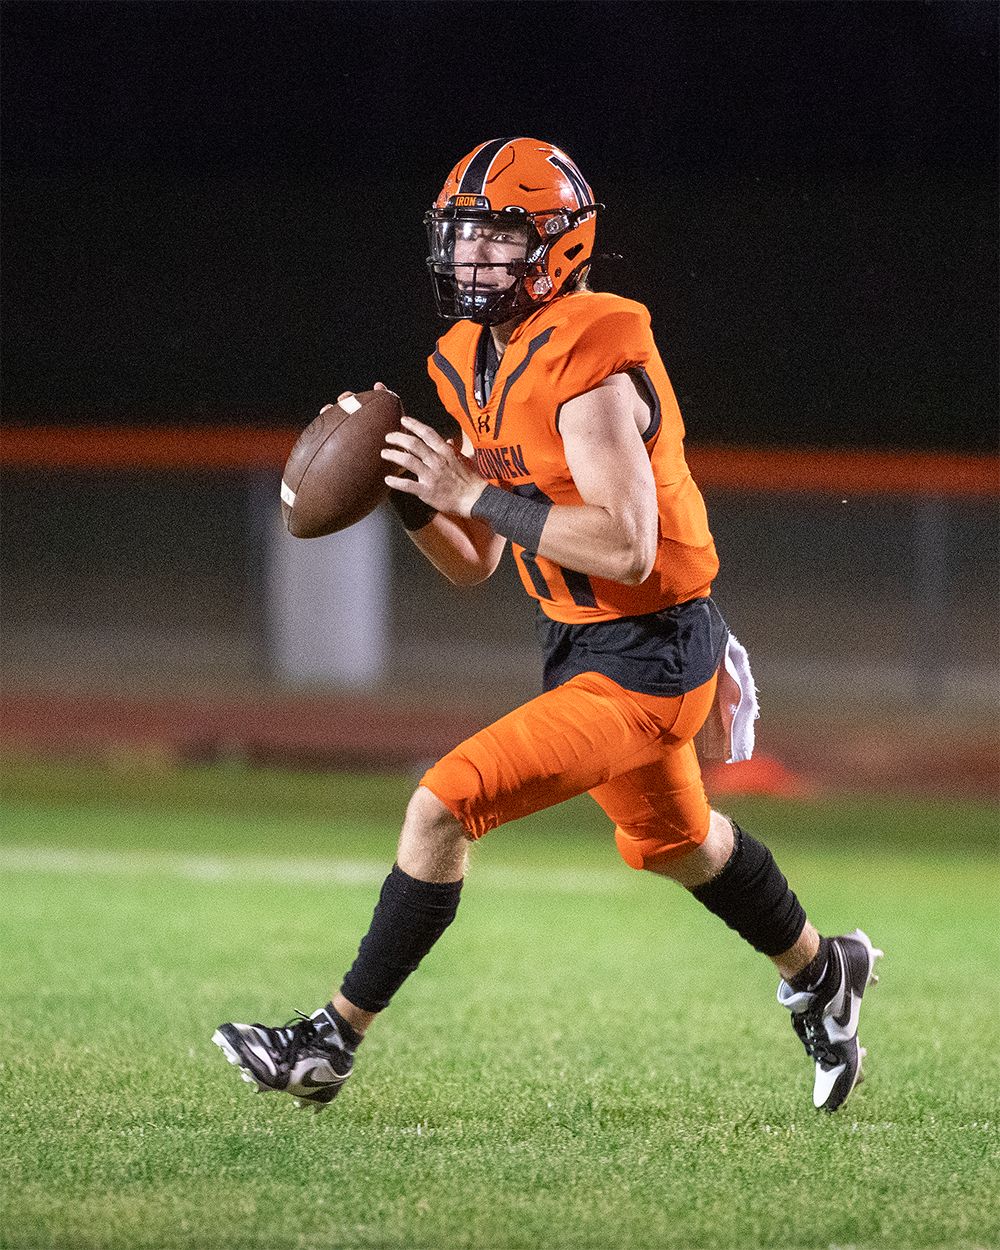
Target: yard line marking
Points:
(217, 869)
(192, 867)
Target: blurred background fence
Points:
(154, 558)
(204, 231)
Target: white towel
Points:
(728, 733)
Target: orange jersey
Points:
(564, 350)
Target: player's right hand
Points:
(442, 476)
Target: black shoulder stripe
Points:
(533, 347)
(453, 376)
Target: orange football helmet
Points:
(513, 189)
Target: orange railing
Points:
(111, 448)
(230, 448)
(857, 472)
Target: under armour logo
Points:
(484, 423)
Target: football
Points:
(335, 475)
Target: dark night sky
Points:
(204, 88)
(211, 203)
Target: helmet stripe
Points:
(580, 188)
(474, 179)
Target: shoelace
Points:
(291, 1037)
(818, 1045)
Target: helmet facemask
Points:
(478, 261)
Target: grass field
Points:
(586, 1059)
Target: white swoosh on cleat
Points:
(825, 1082)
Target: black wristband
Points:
(513, 516)
(411, 509)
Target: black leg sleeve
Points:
(752, 896)
(409, 918)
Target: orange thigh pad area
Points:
(632, 752)
(660, 811)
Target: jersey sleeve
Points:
(614, 338)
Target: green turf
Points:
(587, 1059)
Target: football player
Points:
(570, 449)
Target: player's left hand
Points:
(443, 477)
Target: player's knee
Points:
(700, 860)
(429, 819)
(456, 784)
(433, 843)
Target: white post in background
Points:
(328, 604)
(931, 626)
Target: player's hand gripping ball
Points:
(335, 474)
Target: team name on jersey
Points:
(501, 462)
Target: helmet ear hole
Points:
(575, 251)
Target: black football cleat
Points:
(306, 1058)
(826, 1018)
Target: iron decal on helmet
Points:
(512, 229)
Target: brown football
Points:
(335, 474)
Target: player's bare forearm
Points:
(613, 534)
(617, 544)
(465, 550)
